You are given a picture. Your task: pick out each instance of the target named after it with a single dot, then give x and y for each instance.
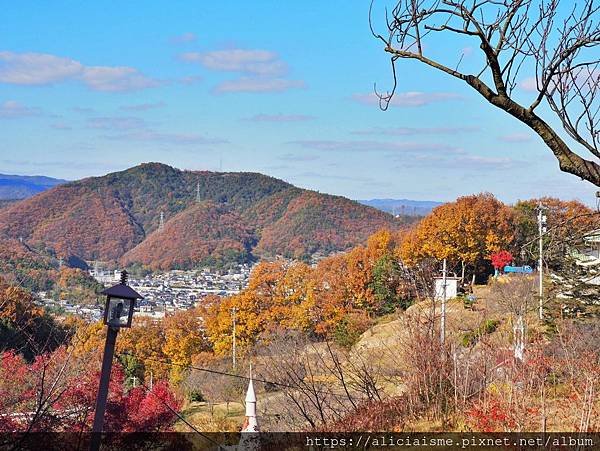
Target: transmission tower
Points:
(161, 225)
(198, 198)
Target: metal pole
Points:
(150, 380)
(233, 347)
(109, 350)
(443, 319)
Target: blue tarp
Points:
(518, 269)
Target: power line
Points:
(239, 376)
(178, 415)
(565, 222)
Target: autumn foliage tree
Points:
(68, 387)
(465, 232)
(340, 297)
(26, 327)
(501, 259)
(567, 222)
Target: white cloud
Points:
(259, 70)
(255, 62)
(36, 68)
(409, 99)
(248, 84)
(116, 79)
(43, 69)
(11, 109)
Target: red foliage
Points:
(501, 259)
(73, 408)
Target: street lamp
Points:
(118, 313)
(120, 302)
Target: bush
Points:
(487, 327)
(350, 328)
(196, 396)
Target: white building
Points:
(451, 287)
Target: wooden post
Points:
(109, 351)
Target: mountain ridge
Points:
(116, 218)
(22, 186)
(399, 206)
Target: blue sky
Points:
(282, 88)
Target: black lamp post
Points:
(118, 313)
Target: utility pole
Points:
(233, 312)
(541, 229)
(443, 319)
(150, 380)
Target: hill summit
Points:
(208, 218)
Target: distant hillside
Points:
(203, 234)
(23, 186)
(402, 206)
(209, 218)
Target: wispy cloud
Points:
(515, 138)
(43, 69)
(143, 106)
(461, 162)
(129, 128)
(528, 84)
(297, 158)
(168, 138)
(83, 110)
(184, 38)
(372, 146)
(409, 99)
(117, 123)
(279, 118)
(12, 109)
(411, 131)
(352, 178)
(190, 79)
(257, 85)
(61, 126)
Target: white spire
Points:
(250, 423)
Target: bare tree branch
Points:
(515, 37)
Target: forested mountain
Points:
(23, 186)
(209, 217)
